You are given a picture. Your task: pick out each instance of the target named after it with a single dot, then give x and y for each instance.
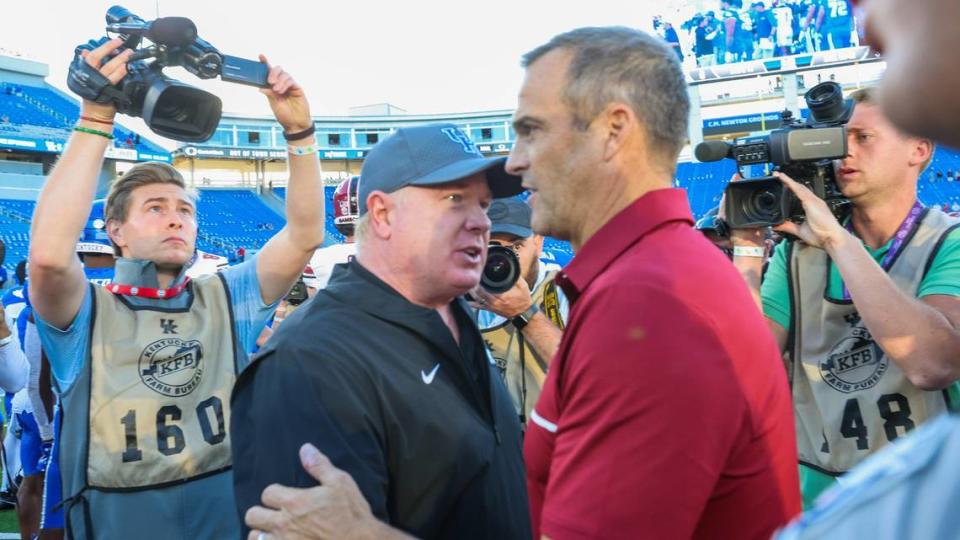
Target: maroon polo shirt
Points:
(666, 412)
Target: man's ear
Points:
(537, 240)
(115, 232)
(620, 124)
(379, 211)
(922, 150)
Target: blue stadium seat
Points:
(43, 113)
(237, 217)
(704, 183)
(15, 230)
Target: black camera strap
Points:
(900, 238)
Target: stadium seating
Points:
(332, 235)
(42, 113)
(940, 183)
(235, 217)
(704, 183)
(15, 230)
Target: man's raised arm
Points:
(282, 259)
(56, 277)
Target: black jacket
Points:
(380, 386)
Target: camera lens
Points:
(501, 271)
(179, 111)
(825, 101)
(767, 201)
(763, 206)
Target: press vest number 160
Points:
(170, 439)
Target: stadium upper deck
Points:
(37, 117)
(729, 101)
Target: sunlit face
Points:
(442, 234)
(161, 226)
(553, 156)
(878, 156)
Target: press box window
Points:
(333, 139)
(253, 137)
(486, 133)
(373, 138)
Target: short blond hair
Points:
(868, 96)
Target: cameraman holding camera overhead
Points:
(864, 309)
(522, 326)
(144, 366)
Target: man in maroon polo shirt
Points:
(666, 412)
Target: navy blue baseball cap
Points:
(510, 216)
(430, 155)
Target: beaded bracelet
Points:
(103, 134)
(303, 150)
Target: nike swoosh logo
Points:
(427, 379)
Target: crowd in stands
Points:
(736, 31)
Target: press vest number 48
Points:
(170, 439)
(894, 409)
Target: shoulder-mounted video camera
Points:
(802, 150)
(169, 107)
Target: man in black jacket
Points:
(384, 370)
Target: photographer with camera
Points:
(865, 309)
(521, 326)
(144, 366)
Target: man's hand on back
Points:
(335, 509)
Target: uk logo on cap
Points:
(461, 138)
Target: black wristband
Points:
(300, 134)
(521, 320)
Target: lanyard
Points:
(904, 232)
(148, 292)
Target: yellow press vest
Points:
(849, 398)
(503, 341)
(160, 382)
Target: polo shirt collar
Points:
(634, 222)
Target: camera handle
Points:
(143, 54)
(87, 82)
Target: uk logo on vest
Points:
(171, 366)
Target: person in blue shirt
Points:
(144, 366)
(96, 253)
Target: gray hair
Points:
(626, 65)
(361, 229)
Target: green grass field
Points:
(8, 521)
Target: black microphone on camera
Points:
(171, 31)
(713, 151)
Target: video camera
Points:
(169, 107)
(802, 150)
